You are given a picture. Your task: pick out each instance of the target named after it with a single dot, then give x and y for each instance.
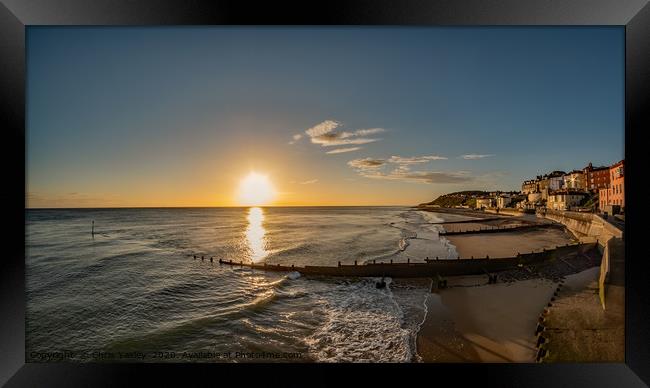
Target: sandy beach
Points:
(508, 244)
(474, 322)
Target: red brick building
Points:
(617, 184)
(614, 194)
(596, 178)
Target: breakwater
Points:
(469, 221)
(430, 268)
(457, 211)
(498, 229)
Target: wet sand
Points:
(508, 244)
(474, 322)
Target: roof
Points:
(600, 168)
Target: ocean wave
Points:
(363, 324)
(299, 249)
(155, 297)
(78, 273)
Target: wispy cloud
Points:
(475, 156)
(309, 182)
(369, 131)
(338, 139)
(326, 135)
(421, 176)
(296, 137)
(374, 169)
(414, 159)
(434, 176)
(367, 163)
(402, 162)
(326, 126)
(342, 150)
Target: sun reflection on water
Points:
(255, 233)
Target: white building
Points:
(503, 201)
(484, 202)
(564, 200)
(575, 180)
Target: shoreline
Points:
(472, 321)
(505, 244)
(475, 322)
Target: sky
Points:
(179, 116)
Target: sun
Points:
(255, 190)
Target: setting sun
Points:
(255, 190)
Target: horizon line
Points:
(203, 207)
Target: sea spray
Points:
(363, 324)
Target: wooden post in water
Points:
(93, 229)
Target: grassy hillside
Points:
(459, 198)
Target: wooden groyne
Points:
(476, 220)
(431, 268)
(498, 229)
(461, 212)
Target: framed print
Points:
(424, 188)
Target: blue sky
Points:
(174, 116)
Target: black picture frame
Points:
(15, 15)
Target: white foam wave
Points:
(363, 324)
(293, 275)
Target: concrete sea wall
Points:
(589, 227)
(586, 227)
(505, 211)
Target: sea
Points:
(138, 285)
